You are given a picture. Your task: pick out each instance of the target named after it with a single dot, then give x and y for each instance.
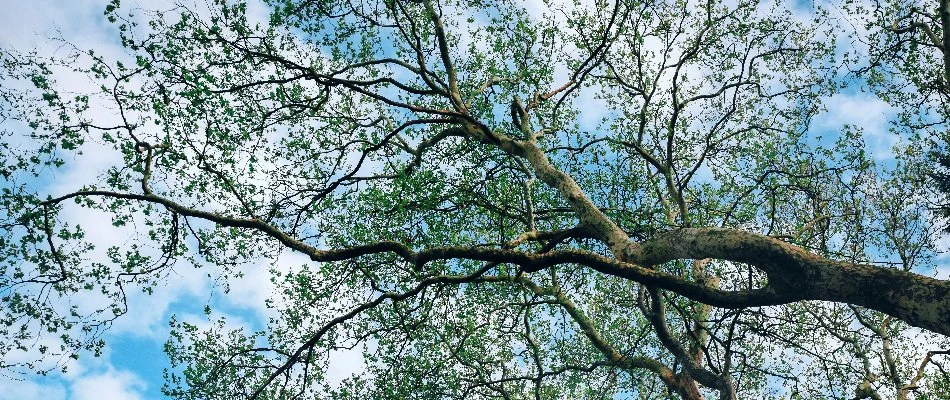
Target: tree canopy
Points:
(498, 199)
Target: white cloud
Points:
(17, 390)
(942, 261)
(29, 24)
(343, 363)
(864, 111)
(942, 269)
(255, 287)
(101, 381)
(111, 385)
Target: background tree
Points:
(551, 200)
(909, 66)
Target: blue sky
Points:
(131, 368)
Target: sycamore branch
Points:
(793, 273)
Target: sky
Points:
(131, 368)
(132, 364)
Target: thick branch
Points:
(795, 274)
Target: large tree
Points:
(499, 199)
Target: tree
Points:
(910, 66)
(551, 201)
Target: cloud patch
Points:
(111, 385)
(863, 111)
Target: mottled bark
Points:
(795, 274)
